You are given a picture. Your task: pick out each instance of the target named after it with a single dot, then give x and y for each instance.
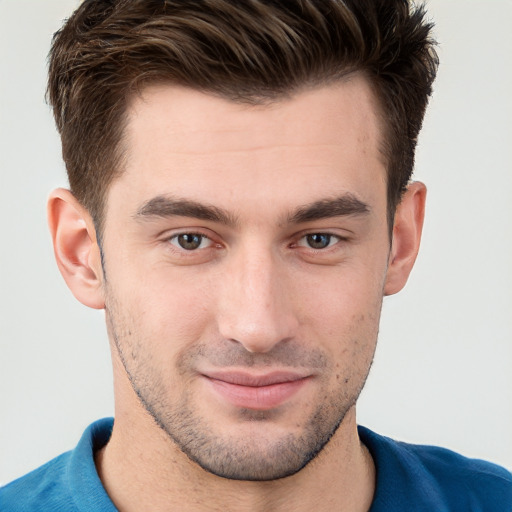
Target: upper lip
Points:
(243, 378)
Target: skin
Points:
(282, 274)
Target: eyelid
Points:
(186, 230)
(333, 232)
(168, 236)
(303, 237)
(204, 237)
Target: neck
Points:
(142, 469)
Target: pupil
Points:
(318, 240)
(189, 242)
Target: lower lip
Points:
(257, 397)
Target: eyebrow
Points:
(162, 206)
(340, 206)
(165, 206)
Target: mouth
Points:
(255, 391)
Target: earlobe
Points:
(407, 229)
(76, 249)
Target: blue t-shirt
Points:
(409, 478)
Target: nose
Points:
(256, 306)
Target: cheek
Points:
(159, 313)
(176, 316)
(343, 316)
(341, 299)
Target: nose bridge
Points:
(256, 308)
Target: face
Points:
(245, 256)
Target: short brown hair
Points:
(244, 50)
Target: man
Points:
(240, 203)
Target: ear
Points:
(76, 248)
(406, 237)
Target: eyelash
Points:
(330, 236)
(178, 247)
(191, 234)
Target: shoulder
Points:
(435, 478)
(68, 483)
(45, 488)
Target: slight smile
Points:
(257, 392)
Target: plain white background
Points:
(442, 373)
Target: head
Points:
(247, 52)
(243, 163)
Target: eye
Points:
(190, 241)
(319, 240)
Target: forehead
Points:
(183, 142)
(188, 115)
